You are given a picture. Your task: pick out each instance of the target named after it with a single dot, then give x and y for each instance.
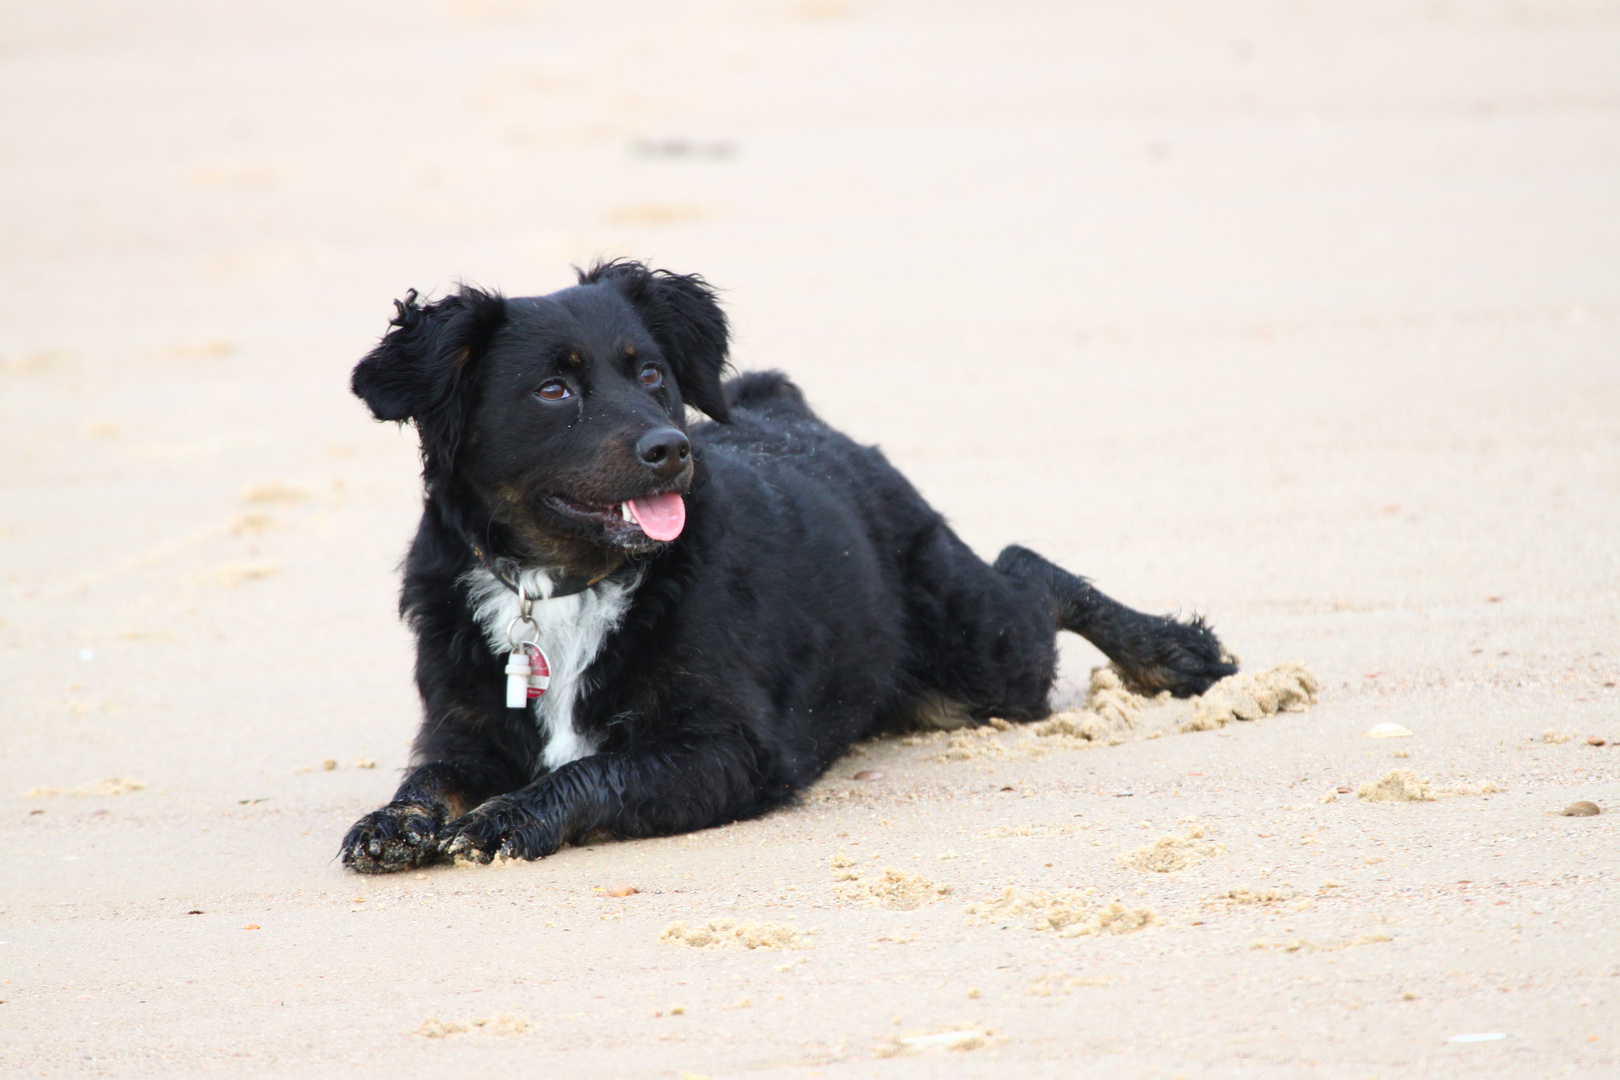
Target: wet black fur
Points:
(812, 599)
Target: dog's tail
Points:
(769, 392)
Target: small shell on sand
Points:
(959, 1039)
(1388, 731)
(946, 1040)
(1582, 809)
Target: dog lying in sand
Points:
(630, 625)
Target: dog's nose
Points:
(664, 450)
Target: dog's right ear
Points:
(415, 369)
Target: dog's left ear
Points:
(682, 315)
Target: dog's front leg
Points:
(650, 793)
(405, 833)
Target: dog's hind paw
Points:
(501, 826)
(400, 836)
(1185, 658)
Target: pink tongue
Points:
(661, 517)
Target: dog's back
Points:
(768, 393)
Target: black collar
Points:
(506, 572)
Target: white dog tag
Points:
(518, 671)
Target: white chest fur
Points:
(572, 630)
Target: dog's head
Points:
(558, 420)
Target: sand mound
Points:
(1112, 714)
(1399, 785)
(1253, 695)
(113, 785)
(1169, 853)
(968, 744)
(896, 890)
(1068, 914)
(1404, 785)
(499, 1024)
(730, 934)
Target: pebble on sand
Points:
(944, 1040)
(1388, 731)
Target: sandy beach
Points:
(1300, 316)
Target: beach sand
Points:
(1303, 317)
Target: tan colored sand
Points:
(1248, 896)
(1398, 785)
(1254, 695)
(731, 934)
(1170, 853)
(1067, 913)
(1404, 785)
(1301, 945)
(499, 1024)
(1061, 982)
(1111, 715)
(232, 574)
(113, 785)
(989, 742)
(895, 889)
(1063, 828)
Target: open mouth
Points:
(659, 517)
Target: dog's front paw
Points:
(400, 836)
(501, 826)
(1185, 658)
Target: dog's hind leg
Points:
(985, 641)
(1152, 652)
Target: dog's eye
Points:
(651, 376)
(555, 390)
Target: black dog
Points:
(720, 612)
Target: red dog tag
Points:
(539, 670)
